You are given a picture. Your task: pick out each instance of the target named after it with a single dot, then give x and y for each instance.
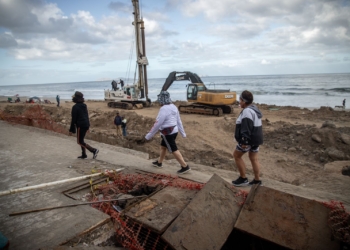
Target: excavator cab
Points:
(192, 91)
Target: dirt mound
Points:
(296, 140)
(323, 144)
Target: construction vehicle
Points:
(128, 96)
(202, 100)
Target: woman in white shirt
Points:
(168, 122)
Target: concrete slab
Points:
(208, 219)
(31, 156)
(287, 220)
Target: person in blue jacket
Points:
(168, 123)
(80, 124)
(58, 100)
(249, 136)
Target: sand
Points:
(304, 150)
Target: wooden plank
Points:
(160, 209)
(208, 220)
(287, 220)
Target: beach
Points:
(304, 148)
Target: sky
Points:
(56, 41)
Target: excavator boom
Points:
(186, 75)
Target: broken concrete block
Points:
(208, 219)
(287, 220)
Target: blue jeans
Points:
(124, 131)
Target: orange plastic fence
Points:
(339, 221)
(131, 234)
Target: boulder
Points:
(328, 124)
(345, 139)
(346, 170)
(336, 166)
(316, 138)
(335, 154)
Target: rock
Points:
(346, 170)
(345, 138)
(316, 138)
(328, 124)
(336, 166)
(292, 149)
(335, 154)
(277, 145)
(281, 160)
(296, 182)
(300, 133)
(317, 151)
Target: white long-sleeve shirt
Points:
(168, 116)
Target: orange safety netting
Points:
(339, 221)
(33, 116)
(131, 234)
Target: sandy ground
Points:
(302, 147)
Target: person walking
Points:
(124, 126)
(169, 123)
(249, 136)
(58, 100)
(118, 124)
(344, 103)
(80, 124)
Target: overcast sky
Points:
(88, 40)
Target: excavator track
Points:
(201, 109)
(122, 105)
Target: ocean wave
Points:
(342, 90)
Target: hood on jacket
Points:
(256, 109)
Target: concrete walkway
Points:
(31, 156)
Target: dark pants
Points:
(81, 132)
(124, 131)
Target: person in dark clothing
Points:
(80, 124)
(114, 85)
(118, 124)
(249, 136)
(58, 100)
(121, 83)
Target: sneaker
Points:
(82, 157)
(184, 170)
(240, 182)
(157, 164)
(253, 182)
(95, 153)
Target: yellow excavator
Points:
(202, 100)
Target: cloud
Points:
(264, 62)
(7, 41)
(120, 7)
(229, 36)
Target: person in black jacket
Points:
(249, 136)
(118, 123)
(80, 124)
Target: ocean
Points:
(307, 91)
